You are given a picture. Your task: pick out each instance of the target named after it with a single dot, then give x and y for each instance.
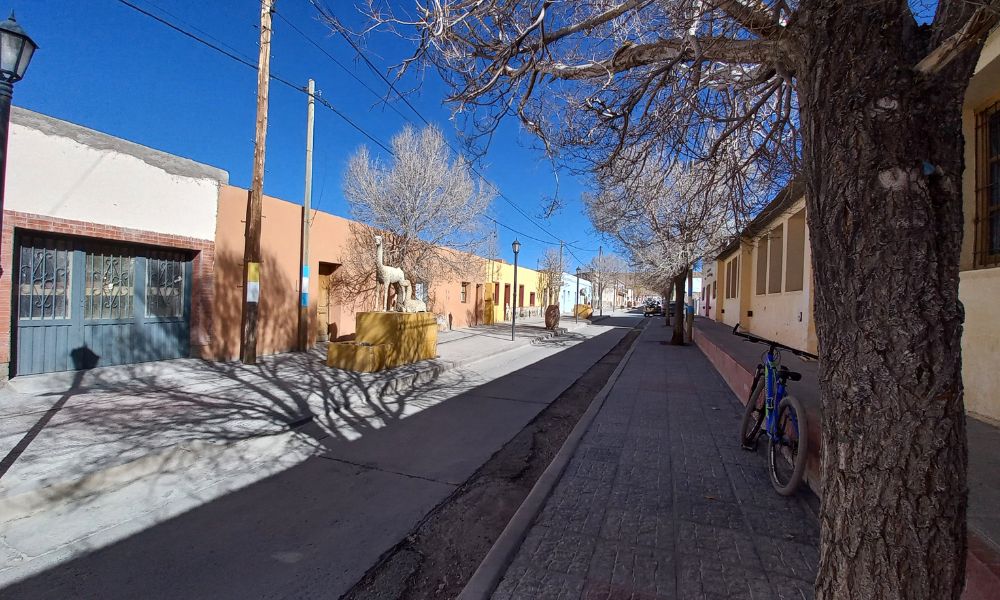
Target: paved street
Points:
(658, 502)
(251, 509)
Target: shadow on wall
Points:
(278, 317)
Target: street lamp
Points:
(16, 50)
(576, 302)
(516, 247)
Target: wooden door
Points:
(323, 302)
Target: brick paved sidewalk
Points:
(660, 502)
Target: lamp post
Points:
(576, 302)
(516, 247)
(16, 50)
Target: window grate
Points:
(987, 221)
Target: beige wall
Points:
(708, 304)
(784, 316)
(734, 310)
(62, 170)
(979, 289)
(280, 247)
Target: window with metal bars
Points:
(44, 279)
(109, 281)
(987, 221)
(165, 285)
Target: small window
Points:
(496, 292)
(465, 291)
(165, 287)
(109, 283)
(795, 264)
(45, 279)
(532, 299)
(762, 245)
(733, 278)
(775, 256)
(987, 232)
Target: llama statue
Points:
(386, 276)
(405, 302)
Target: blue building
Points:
(568, 291)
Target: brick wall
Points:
(203, 270)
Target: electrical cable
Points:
(253, 66)
(325, 103)
(327, 14)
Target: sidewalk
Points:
(187, 454)
(736, 359)
(658, 502)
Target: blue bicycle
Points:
(771, 411)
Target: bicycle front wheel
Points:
(753, 416)
(787, 451)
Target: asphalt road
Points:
(313, 529)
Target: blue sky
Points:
(105, 66)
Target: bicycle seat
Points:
(784, 373)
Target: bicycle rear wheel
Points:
(786, 455)
(753, 416)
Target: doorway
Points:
(326, 323)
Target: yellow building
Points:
(979, 283)
(499, 290)
(763, 280)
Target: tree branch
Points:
(628, 57)
(753, 19)
(977, 27)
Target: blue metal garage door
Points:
(85, 303)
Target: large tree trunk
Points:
(677, 339)
(882, 167)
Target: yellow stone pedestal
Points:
(386, 339)
(584, 311)
(352, 356)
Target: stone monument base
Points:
(362, 358)
(384, 340)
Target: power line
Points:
(520, 233)
(326, 104)
(253, 66)
(338, 63)
(327, 14)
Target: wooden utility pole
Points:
(306, 218)
(251, 252)
(600, 277)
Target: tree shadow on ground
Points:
(362, 462)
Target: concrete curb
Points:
(487, 576)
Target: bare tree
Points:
(870, 100)
(425, 203)
(603, 271)
(666, 218)
(551, 268)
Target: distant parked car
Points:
(652, 308)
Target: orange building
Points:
(458, 303)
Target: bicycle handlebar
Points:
(771, 343)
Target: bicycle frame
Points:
(774, 391)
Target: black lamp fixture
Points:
(16, 50)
